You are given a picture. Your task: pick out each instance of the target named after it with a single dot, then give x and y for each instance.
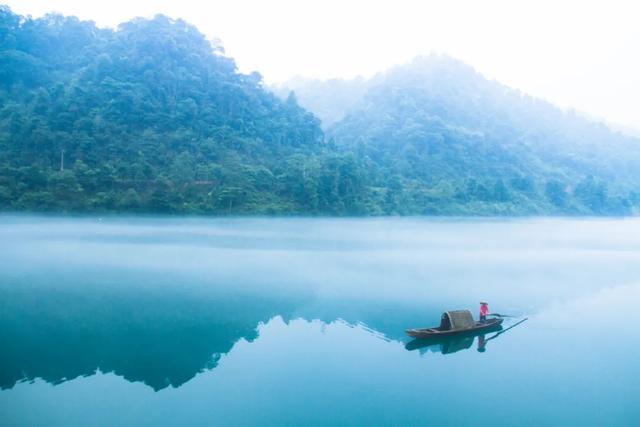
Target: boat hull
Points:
(485, 326)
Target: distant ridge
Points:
(154, 118)
(459, 143)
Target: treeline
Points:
(444, 140)
(152, 117)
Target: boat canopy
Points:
(457, 319)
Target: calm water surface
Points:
(141, 321)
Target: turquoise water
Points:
(144, 321)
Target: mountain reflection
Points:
(161, 335)
(159, 338)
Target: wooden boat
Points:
(445, 345)
(456, 322)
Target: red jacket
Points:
(484, 309)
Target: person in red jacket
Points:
(484, 310)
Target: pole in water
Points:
(510, 327)
(61, 160)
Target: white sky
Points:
(579, 54)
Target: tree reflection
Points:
(159, 338)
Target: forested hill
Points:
(152, 117)
(449, 141)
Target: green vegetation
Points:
(441, 139)
(152, 117)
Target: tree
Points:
(555, 192)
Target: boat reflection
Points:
(453, 344)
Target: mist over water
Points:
(303, 320)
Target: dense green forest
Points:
(153, 117)
(442, 139)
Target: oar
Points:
(500, 315)
(505, 330)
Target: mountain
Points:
(446, 140)
(153, 117)
(150, 117)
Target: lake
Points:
(167, 321)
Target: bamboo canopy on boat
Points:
(457, 319)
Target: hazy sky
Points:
(579, 54)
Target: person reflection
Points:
(482, 343)
(453, 344)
